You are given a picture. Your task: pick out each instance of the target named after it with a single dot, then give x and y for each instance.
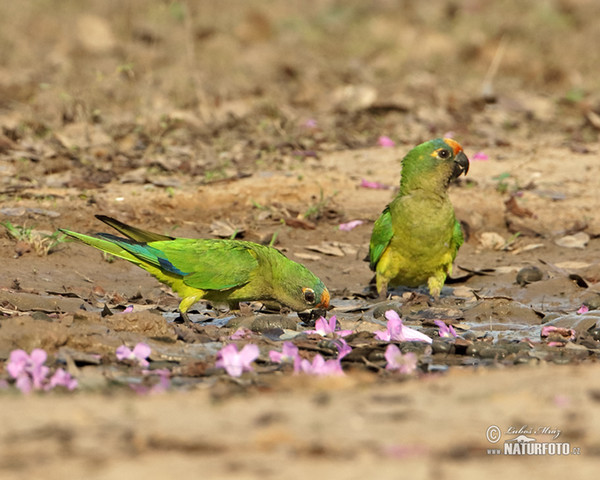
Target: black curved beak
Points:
(461, 165)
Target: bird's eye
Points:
(444, 154)
(309, 295)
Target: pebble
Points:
(529, 274)
(516, 347)
(485, 350)
(595, 333)
(492, 352)
(263, 323)
(442, 346)
(380, 309)
(592, 301)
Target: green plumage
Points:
(220, 271)
(416, 238)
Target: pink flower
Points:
(28, 370)
(30, 373)
(240, 333)
(310, 123)
(480, 157)
(375, 185)
(404, 363)
(62, 379)
(397, 332)
(346, 227)
(289, 354)
(583, 309)
(558, 332)
(343, 348)
(445, 330)
(138, 355)
(384, 141)
(326, 327)
(319, 366)
(128, 309)
(234, 362)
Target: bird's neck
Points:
(435, 187)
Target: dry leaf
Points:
(225, 229)
(527, 248)
(307, 256)
(327, 248)
(579, 240)
(573, 265)
(299, 223)
(492, 241)
(513, 207)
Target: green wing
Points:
(381, 236)
(206, 264)
(457, 237)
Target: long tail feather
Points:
(104, 245)
(134, 233)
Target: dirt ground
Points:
(261, 120)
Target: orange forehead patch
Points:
(454, 144)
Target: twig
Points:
(487, 88)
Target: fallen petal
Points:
(346, 227)
(375, 185)
(385, 141)
(583, 309)
(480, 157)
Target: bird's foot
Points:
(184, 318)
(383, 294)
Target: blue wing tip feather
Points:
(164, 263)
(143, 250)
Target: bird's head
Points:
(461, 162)
(296, 287)
(433, 165)
(317, 297)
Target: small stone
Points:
(379, 310)
(437, 368)
(42, 316)
(595, 333)
(492, 352)
(264, 323)
(592, 301)
(578, 240)
(517, 347)
(473, 350)
(440, 345)
(469, 335)
(529, 274)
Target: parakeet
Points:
(219, 271)
(416, 238)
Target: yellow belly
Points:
(412, 271)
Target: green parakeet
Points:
(416, 238)
(220, 271)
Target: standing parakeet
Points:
(416, 238)
(220, 271)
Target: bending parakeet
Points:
(416, 238)
(220, 271)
